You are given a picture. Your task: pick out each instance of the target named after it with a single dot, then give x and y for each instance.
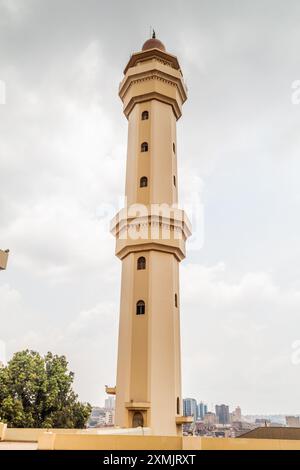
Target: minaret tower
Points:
(150, 241)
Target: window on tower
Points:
(143, 182)
(174, 148)
(178, 406)
(141, 263)
(174, 180)
(145, 115)
(176, 300)
(140, 307)
(144, 147)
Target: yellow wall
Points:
(116, 439)
(32, 434)
(2, 431)
(121, 442)
(76, 442)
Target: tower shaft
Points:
(150, 240)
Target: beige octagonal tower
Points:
(150, 240)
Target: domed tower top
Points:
(153, 74)
(153, 43)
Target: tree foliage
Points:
(36, 392)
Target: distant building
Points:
(292, 421)
(236, 415)
(201, 410)
(109, 418)
(96, 417)
(109, 403)
(210, 419)
(190, 407)
(222, 413)
(240, 427)
(262, 422)
(101, 417)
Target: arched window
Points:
(174, 148)
(174, 180)
(144, 147)
(176, 300)
(143, 182)
(141, 263)
(178, 406)
(145, 115)
(137, 420)
(140, 307)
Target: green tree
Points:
(36, 392)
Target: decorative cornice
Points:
(167, 234)
(142, 56)
(175, 220)
(153, 246)
(152, 74)
(153, 96)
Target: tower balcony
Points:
(137, 406)
(165, 231)
(3, 259)
(184, 420)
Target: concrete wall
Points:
(2, 431)
(134, 439)
(109, 442)
(33, 434)
(122, 442)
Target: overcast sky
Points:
(62, 168)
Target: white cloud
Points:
(242, 344)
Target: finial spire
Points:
(152, 43)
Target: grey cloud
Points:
(62, 156)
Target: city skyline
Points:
(238, 155)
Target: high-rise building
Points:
(237, 414)
(150, 241)
(109, 418)
(190, 407)
(201, 410)
(109, 403)
(222, 413)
